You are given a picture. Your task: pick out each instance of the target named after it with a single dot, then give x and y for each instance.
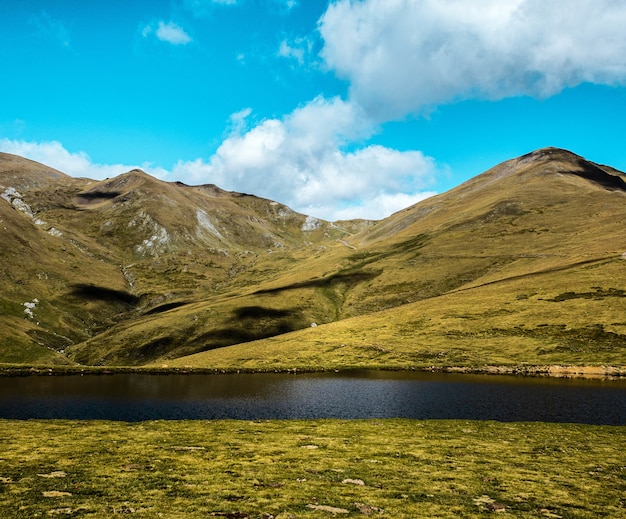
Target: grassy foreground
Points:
(326, 468)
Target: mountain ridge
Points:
(134, 270)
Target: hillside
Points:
(521, 264)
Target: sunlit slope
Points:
(568, 317)
(547, 210)
(521, 264)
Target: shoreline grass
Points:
(553, 370)
(317, 468)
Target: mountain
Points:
(81, 258)
(523, 263)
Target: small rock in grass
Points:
(60, 511)
(55, 493)
(496, 507)
(55, 474)
(359, 482)
(367, 509)
(325, 508)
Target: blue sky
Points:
(338, 109)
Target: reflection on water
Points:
(365, 394)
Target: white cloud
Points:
(285, 50)
(297, 160)
(299, 49)
(378, 207)
(237, 121)
(168, 32)
(301, 160)
(53, 154)
(407, 56)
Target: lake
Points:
(346, 395)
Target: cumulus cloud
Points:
(168, 32)
(53, 154)
(304, 161)
(297, 160)
(379, 206)
(407, 56)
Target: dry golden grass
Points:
(511, 323)
(520, 265)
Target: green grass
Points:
(287, 469)
(546, 319)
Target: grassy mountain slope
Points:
(89, 257)
(520, 264)
(523, 264)
(43, 270)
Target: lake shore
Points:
(554, 370)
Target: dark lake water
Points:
(135, 397)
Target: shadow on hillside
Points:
(251, 323)
(599, 176)
(230, 336)
(260, 312)
(108, 295)
(97, 195)
(165, 307)
(350, 278)
(152, 350)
